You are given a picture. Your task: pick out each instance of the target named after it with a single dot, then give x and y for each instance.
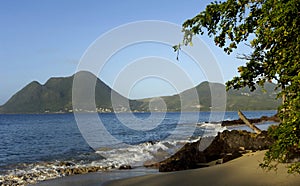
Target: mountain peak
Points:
(56, 96)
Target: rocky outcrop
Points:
(78, 170)
(274, 118)
(125, 167)
(187, 157)
(231, 144)
(225, 147)
(51, 171)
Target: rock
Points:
(230, 156)
(231, 141)
(67, 164)
(124, 167)
(26, 178)
(226, 146)
(186, 158)
(242, 148)
(151, 164)
(219, 161)
(93, 169)
(238, 122)
(152, 142)
(274, 118)
(271, 118)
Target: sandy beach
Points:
(241, 171)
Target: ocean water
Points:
(41, 142)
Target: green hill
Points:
(56, 96)
(243, 99)
(37, 98)
(260, 99)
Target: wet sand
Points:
(97, 178)
(241, 171)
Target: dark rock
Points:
(151, 164)
(239, 122)
(226, 146)
(186, 158)
(93, 169)
(232, 141)
(124, 167)
(66, 163)
(230, 156)
(270, 118)
(274, 118)
(152, 142)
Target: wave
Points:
(135, 156)
(108, 158)
(211, 129)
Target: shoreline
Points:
(179, 161)
(98, 178)
(244, 170)
(136, 112)
(70, 169)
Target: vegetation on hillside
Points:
(56, 96)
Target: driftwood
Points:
(246, 121)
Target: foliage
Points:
(271, 29)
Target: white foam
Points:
(115, 156)
(136, 155)
(211, 129)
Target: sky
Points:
(43, 39)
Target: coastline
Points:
(98, 178)
(69, 170)
(241, 171)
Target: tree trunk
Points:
(247, 122)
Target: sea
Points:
(41, 145)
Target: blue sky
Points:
(43, 39)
